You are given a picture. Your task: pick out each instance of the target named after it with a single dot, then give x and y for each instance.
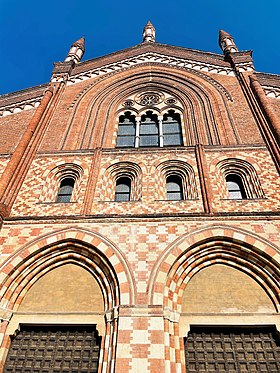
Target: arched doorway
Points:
(212, 282)
(66, 295)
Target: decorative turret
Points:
(149, 33)
(76, 51)
(226, 43)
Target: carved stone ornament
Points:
(128, 103)
(171, 101)
(149, 98)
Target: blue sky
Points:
(34, 34)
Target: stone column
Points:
(137, 135)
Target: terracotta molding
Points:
(204, 178)
(267, 108)
(10, 171)
(268, 123)
(92, 181)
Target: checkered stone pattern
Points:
(41, 257)
(54, 176)
(45, 259)
(267, 184)
(143, 252)
(153, 262)
(3, 164)
(140, 340)
(141, 244)
(149, 190)
(166, 167)
(113, 172)
(245, 256)
(38, 193)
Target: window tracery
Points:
(149, 130)
(127, 130)
(150, 119)
(172, 133)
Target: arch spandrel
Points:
(190, 253)
(99, 102)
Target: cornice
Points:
(149, 57)
(165, 49)
(273, 92)
(270, 83)
(149, 64)
(25, 99)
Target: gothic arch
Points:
(202, 100)
(217, 244)
(89, 250)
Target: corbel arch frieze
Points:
(210, 79)
(99, 103)
(231, 246)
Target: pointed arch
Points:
(92, 252)
(202, 100)
(89, 250)
(217, 244)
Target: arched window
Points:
(65, 190)
(174, 188)
(241, 179)
(149, 132)
(127, 128)
(172, 133)
(62, 183)
(235, 187)
(123, 189)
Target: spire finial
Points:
(76, 51)
(149, 33)
(226, 42)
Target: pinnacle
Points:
(149, 24)
(223, 33)
(80, 42)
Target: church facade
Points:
(139, 214)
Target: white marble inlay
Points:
(152, 58)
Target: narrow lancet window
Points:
(172, 132)
(149, 131)
(126, 132)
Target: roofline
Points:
(217, 55)
(24, 90)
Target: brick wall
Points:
(142, 253)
